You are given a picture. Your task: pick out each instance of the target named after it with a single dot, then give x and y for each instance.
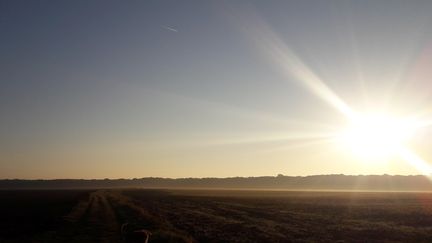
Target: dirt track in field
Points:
(94, 220)
(215, 216)
(101, 216)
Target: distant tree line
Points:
(316, 182)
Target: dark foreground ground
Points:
(214, 216)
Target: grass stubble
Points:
(215, 216)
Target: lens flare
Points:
(369, 136)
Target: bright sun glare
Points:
(377, 136)
(373, 136)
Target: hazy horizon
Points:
(131, 89)
(189, 177)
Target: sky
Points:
(131, 89)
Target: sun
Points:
(377, 136)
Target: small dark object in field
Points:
(132, 235)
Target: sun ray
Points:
(416, 161)
(277, 138)
(290, 65)
(302, 144)
(239, 111)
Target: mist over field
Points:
(280, 182)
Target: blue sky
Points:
(94, 89)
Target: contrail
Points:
(169, 28)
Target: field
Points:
(214, 216)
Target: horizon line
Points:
(228, 177)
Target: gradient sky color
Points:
(123, 89)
